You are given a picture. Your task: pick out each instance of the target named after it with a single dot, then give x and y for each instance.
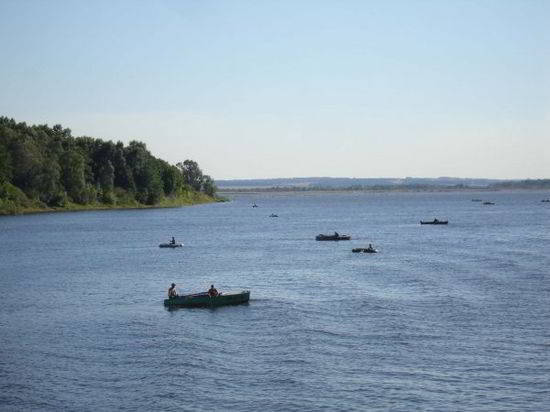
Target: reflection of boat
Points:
(202, 300)
(476, 200)
(364, 250)
(488, 203)
(336, 236)
(273, 215)
(171, 245)
(434, 222)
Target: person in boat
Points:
(212, 292)
(435, 220)
(173, 241)
(370, 247)
(336, 234)
(172, 291)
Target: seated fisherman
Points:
(173, 240)
(172, 291)
(212, 292)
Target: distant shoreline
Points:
(379, 185)
(381, 190)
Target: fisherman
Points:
(212, 292)
(173, 240)
(370, 246)
(172, 291)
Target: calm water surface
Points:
(450, 317)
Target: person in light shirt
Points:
(172, 291)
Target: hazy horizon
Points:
(255, 90)
(369, 177)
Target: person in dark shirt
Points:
(212, 292)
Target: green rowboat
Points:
(202, 300)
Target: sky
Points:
(265, 89)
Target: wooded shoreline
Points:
(46, 169)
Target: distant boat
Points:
(476, 200)
(203, 300)
(171, 245)
(364, 250)
(254, 205)
(273, 215)
(335, 236)
(434, 222)
(488, 203)
(545, 200)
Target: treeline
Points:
(529, 184)
(542, 184)
(52, 168)
(352, 188)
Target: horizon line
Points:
(388, 178)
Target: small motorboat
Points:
(171, 245)
(434, 222)
(335, 236)
(273, 215)
(364, 250)
(488, 203)
(203, 300)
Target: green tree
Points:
(48, 183)
(27, 158)
(123, 174)
(72, 172)
(106, 179)
(192, 174)
(172, 179)
(208, 186)
(149, 187)
(5, 165)
(106, 176)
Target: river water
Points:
(452, 317)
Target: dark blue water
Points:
(450, 317)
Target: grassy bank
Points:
(14, 202)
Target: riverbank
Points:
(18, 204)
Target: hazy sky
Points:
(292, 88)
